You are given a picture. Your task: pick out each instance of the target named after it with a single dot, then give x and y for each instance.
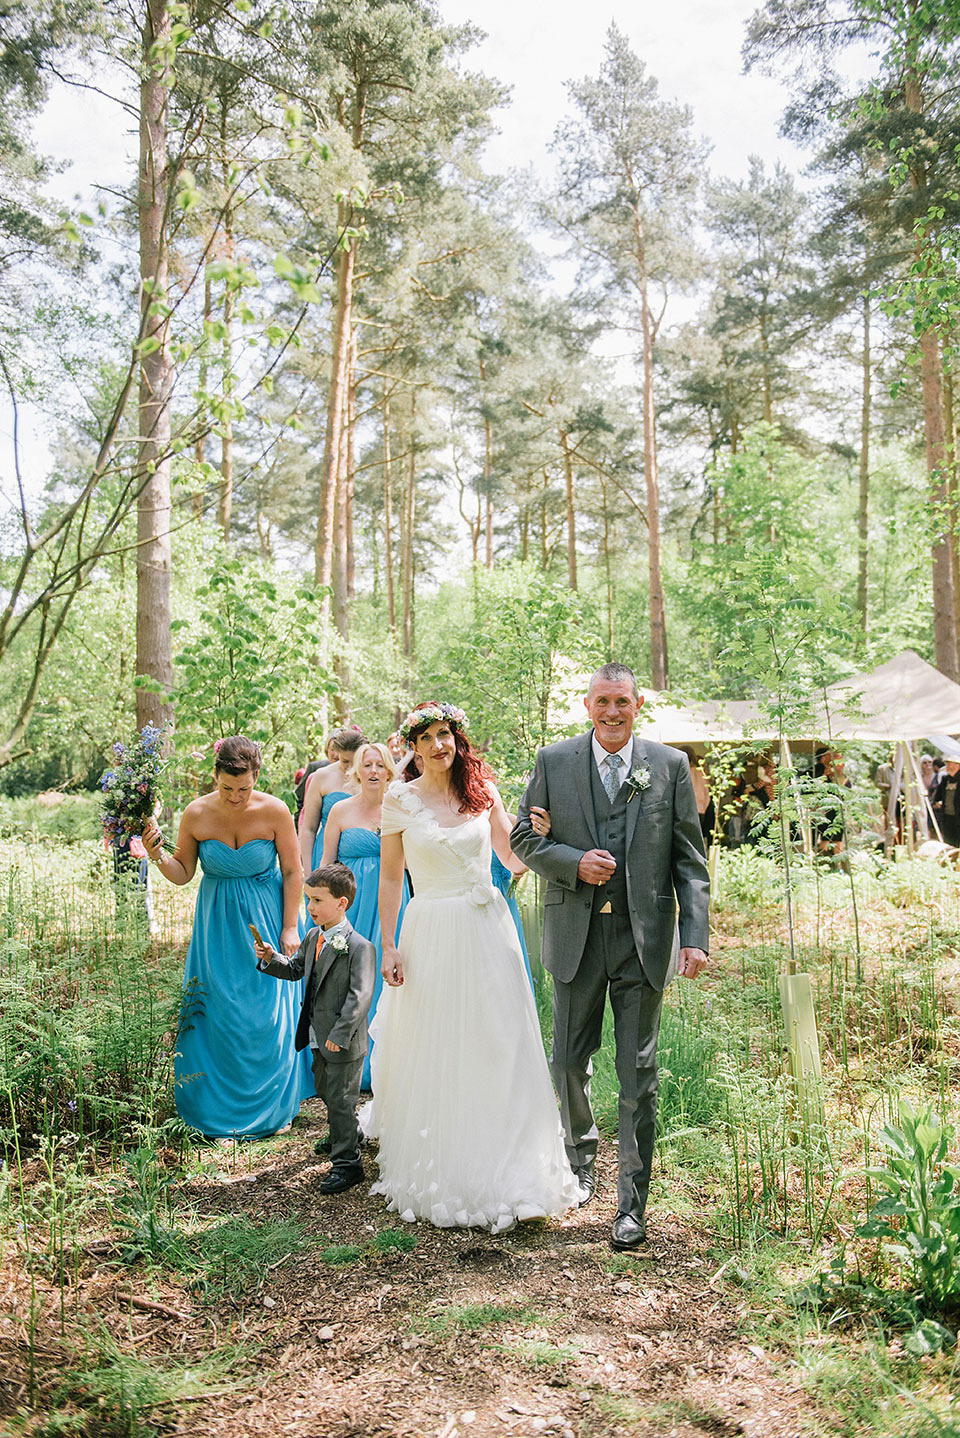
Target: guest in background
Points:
(324, 788)
(947, 804)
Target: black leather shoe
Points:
(587, 1180)
(627, 1233)
(338, 1180)
(323, 1145)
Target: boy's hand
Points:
(263, 951)
(333, 1048)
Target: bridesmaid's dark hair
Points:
(347, 740)
(469, 774)
(237, 755)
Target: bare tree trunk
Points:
(950, 445)
(544, 547)
(571, 509)
(225, 506)
(388, 518)
(863, 506)
(350, 483)
(487, 486)
(154, 611)
(200, 447)
(408, 635)
(944, 599)
(346, 260)
(339, 574)
(608, 573)
(946, 654)
(658, 628)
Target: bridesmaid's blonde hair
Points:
(354, 771)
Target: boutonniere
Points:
(339, 943)
(637, 780)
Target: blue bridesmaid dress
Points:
(327, 804)
(359, 849)
(503, 878)
(236, 1073)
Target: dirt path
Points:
(463, 1335)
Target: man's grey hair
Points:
(613, 674)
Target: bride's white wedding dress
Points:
(463, 1106)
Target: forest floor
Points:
(461, 1335)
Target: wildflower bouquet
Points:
(131, 789)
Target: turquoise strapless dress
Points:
(502, 877)
(236, 1072)
(328, 802)
(359, 849)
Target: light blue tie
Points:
(611, 778)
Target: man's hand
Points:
(596, 866)
(692, 962)
(332, 1048)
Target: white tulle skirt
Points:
(463, 1107)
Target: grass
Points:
(117, 1395)
(472, 1317)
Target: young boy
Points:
(339, 967)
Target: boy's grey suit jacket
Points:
(342, 991)
(664, 854)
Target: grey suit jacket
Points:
(342, 991)
(665, 860)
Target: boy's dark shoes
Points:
(338, 1180)
(322, 1145)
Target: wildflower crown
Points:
(429, 714)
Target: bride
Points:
(464, 1111)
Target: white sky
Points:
(691, 47)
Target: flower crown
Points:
(429, 714)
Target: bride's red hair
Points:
(470, 776)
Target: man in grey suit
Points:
(624, 849)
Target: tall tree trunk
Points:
(765, 362)
(408, 634)
(863, 506)
(607, 570)
(944, 599)
(388, 519)
(950, 444)
(658, 627)
(341, 618)
(350, 485)
(487, 487)
(198, 502)
(570, 509)
(946, 654)
(154, 612)
(544, 546)
(225, 505)
(346, 261)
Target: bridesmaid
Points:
(236, 1073)
(326, 787)
(352, 835)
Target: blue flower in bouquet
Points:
(131, 791)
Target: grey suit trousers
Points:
(609, 958)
